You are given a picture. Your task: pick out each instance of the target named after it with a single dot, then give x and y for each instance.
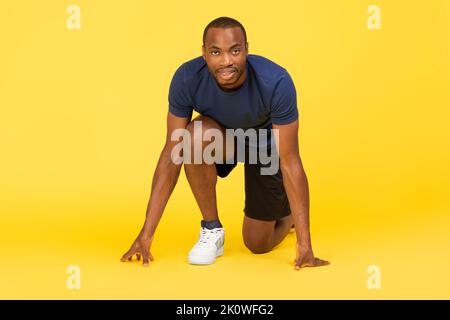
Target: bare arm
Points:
(165, 177)
(163, 182)
(296, 185)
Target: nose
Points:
(226, 60)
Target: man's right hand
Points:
(163, 183)
(140, 247)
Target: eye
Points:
(236, 51)
(215, 52)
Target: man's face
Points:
(225, 52)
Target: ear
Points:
(203, 52)
(246, 47)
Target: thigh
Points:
(210, 123)
(265, 196)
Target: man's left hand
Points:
(305, 258)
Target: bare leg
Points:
(262, 236)
(202, 177)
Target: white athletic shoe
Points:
(208, 247)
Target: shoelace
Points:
(206, 235)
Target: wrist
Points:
(304, 244)
(304, 239)
(147, 229)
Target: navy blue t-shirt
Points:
(267, 96)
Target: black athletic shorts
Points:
(265, 196)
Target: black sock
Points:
(211, 224)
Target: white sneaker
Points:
(208, 247)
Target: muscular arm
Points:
(296, 184)
(165, 177)
(164, 181)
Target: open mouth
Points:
(226, 74)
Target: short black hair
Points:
(224, 22)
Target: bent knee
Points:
(202, 132)
(205, 122)
(257, 246)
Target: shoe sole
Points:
(202, 262)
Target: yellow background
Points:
(82, 124)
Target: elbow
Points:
(293, 169)
(291, 164)
(170, 159)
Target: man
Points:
(231, 89)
